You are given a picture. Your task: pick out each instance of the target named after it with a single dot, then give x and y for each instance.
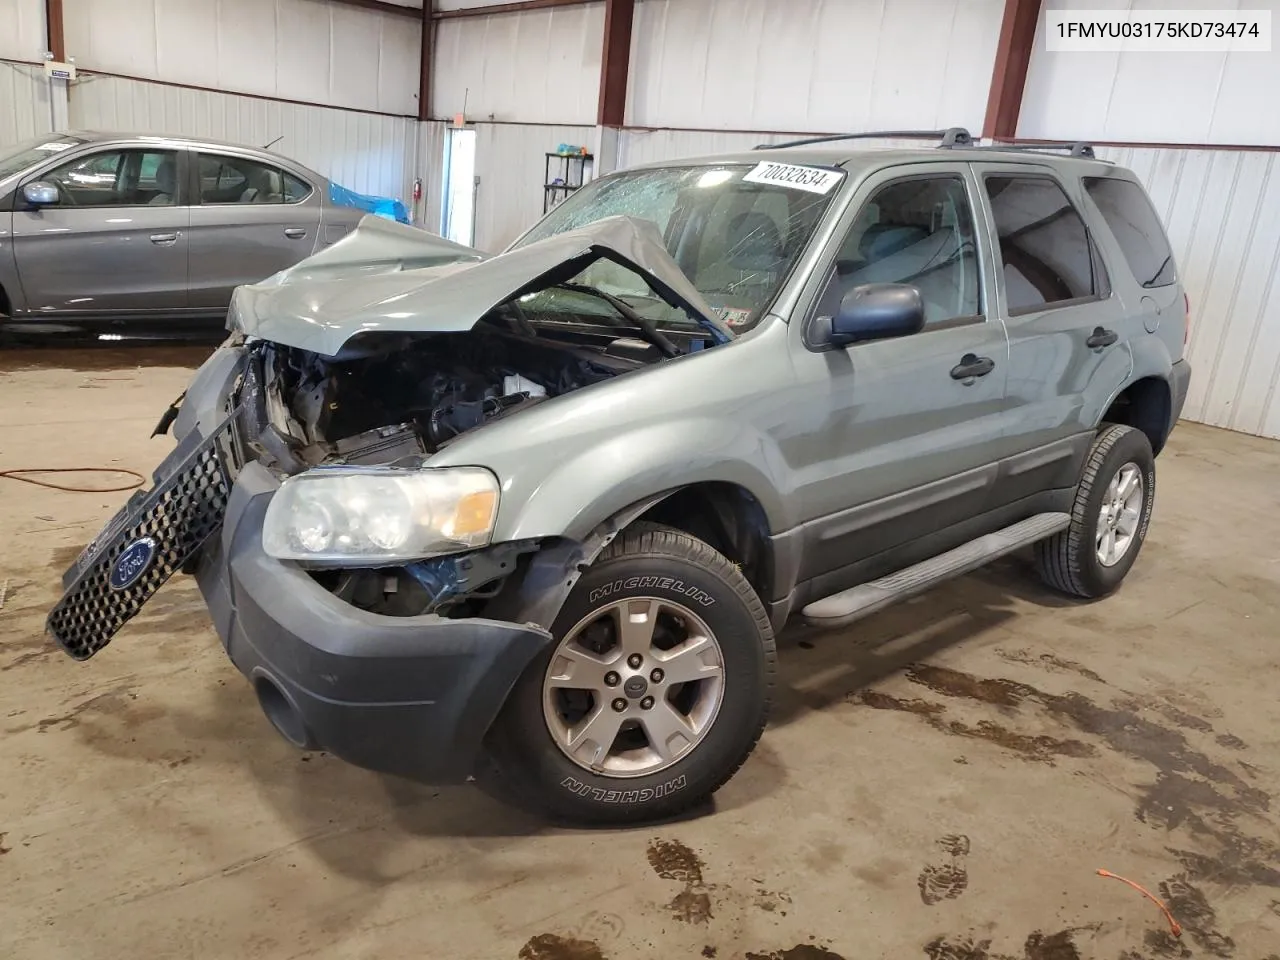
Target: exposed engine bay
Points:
(400, 405)
(302, 410)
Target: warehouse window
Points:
(118, 178)
(228, 179)
(1133, 221)
(1049, 259)
(918, 231)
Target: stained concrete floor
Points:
(941, 781)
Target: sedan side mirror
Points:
(877, 311)
(41, 194)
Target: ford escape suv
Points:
(534, 518)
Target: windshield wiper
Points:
(642, 323)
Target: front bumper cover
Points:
(407, 695)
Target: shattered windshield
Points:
(735, 230)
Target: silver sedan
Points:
(118, 228)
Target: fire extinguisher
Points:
(417, 189)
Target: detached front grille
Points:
(178, 515)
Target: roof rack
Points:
(951, 137)
(1076, 149)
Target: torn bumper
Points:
(407, 695)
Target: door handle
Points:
(164, 239)
(294, 233)
(972, 367)
(1101, 338)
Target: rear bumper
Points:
(1179, 380)
(405, 695)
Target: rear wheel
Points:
(1108, 519)
(653, 693)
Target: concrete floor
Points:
(942, 781)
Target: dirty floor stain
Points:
(672, 860)
(549, 946)
(801, 951)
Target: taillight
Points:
(1186, 323)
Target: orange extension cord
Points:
(22, 477)
(1173, 924)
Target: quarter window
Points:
(920, 232)
(118, 178)
(1133, 221)
(1045, 248)
(228, 179)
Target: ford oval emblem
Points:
(132, 563)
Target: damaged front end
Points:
(370, 359)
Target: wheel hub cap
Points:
(1120, 514)
(672, 674)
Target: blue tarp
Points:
(387, 207)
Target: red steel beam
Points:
(54, 33)
(381, 6)
(426, 63)
(615, 62)
(517, 7)
(1009, 75)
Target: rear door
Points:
(115, 243)
(1068, 331)
(251, 219)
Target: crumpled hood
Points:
(385, 277)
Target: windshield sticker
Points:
(811, 179)
(734, 316)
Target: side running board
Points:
(849, 605)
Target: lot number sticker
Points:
(811, 179)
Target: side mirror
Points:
(877, 311)
(41, 194)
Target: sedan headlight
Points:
(369, 516)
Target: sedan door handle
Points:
(972, 367)
(294, 233)
(1101, 338)
(164, 239)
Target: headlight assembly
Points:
(369, 516)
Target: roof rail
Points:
(951, 137)
(1076, 149)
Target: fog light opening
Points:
(284, 716)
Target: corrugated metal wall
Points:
(308, 50)
(24, 102)
(21, 30)
(822, 65)
(365, 152)
(538, 66)
(651, 146)
(1209, 98)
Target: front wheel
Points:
(1108, 519)
(654, 691)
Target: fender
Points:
(1149, 357)
(599, 481)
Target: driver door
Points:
(907, 430)
(115, 243)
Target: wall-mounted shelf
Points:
(565, 173)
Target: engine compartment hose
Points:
(23, 476)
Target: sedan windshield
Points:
(735, 238)
(16, 159)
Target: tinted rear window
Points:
(1137, 229)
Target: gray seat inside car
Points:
(167, 181)
(929, 261)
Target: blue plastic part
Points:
(387, 207)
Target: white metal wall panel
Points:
(308, 50)
(24, 103)
(812, 65)
(366, 152)
(1211, 98)
(22, 29)
(431, 139)
(539, 66)
(511, 165)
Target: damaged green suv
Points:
(534, 518)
